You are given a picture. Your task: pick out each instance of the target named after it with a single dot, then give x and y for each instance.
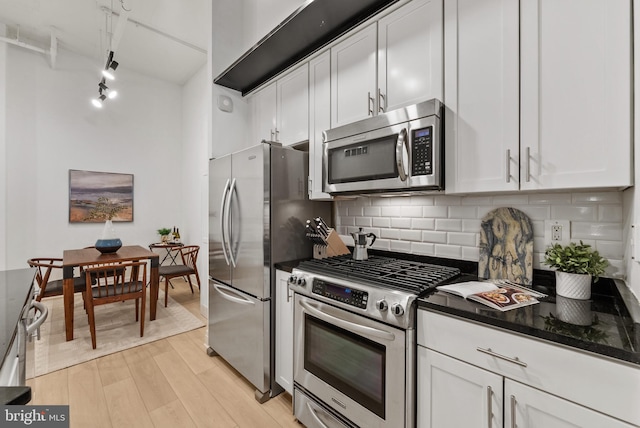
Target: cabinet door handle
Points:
(271, 135)
(277, 137)
(513, 411)
(489, 409)
(508, 166)
(528, 165)
(369, 104)
(382, 101)
(515, 360)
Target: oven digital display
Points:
(348, 295)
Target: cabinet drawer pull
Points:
(382, 101)
(528, 165)
(370, 102)
(513, 411)
(515, 360)
(489, 409)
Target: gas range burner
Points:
(406, 275)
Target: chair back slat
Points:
(111, 279)
(189, 255)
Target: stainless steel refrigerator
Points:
(258, 207)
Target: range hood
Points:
(313, 25)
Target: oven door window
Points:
(350, 363)
(368, 160)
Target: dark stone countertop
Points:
(605, 325)
(15, 292)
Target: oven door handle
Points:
(315, 416)
(348, 325)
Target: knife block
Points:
(334, 247)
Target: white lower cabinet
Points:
(473, 375)
(284, 332)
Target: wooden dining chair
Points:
(112, 287)
(189, 255)
(45, 266)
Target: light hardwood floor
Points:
(168, 383)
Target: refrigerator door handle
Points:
(222, 222)
(227, 292)
(231, 192)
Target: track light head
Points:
(113, 65)
(112, 94)
(108, 74)
(97, 102)
(102, 87)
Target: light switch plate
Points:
(225, 103)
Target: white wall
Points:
(195, 168)
(449, 226)
(51, 128)
(3, 151)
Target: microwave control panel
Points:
(339, 293)
(422, 151)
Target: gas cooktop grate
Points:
(405, 275)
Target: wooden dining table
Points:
(90, 256)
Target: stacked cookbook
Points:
(502, 296)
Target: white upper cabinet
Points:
(353, 77)
(281, 109)
(410, 55)
(575, 93)
(537, 98)
(292, 106)
(394, 62)
(319, 119)
(481, 95)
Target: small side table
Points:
(167, 247)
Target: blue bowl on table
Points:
(106, 246)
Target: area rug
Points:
(116, 330)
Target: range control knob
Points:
(292, 279)
(397, 309)
(382, 305)
(301, 281)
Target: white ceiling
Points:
(166, 39)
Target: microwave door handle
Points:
(222, 222)
(232, 190)
(347, 325)
(402, 141)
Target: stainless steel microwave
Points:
(399, 150)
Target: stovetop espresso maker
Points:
(360, 244)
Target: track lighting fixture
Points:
(104, 91)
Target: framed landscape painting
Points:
(98, 196)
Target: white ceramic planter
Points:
(573, 285)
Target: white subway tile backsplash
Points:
(381, 222)
(401, 223)
(390, 211)
(471, 253)
(463, 212)
(471, 225)
(435, 212)
(411, 235)
(389, 234)
(574, 212)
(400, 246)
(363, 221)
(477, 200)
(611, 213)
(449, 251)
(464, 239)
(423, 223)
(510, 200)
(550, 199)
(597, 197)
(422, 248)
(437, 237)
(451, 225)
(598, 231)
(372, 211)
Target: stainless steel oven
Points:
(354, 339)
(352, 363)
(395, 151)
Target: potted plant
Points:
(164, 234)
(577, 266)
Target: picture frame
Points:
(98, 196)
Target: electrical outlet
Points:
(557, 232)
